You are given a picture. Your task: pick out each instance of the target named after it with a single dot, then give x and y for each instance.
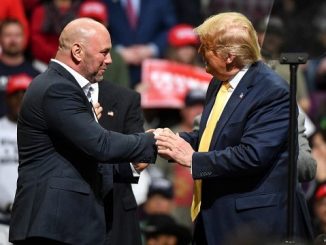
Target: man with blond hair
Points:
(239, 157)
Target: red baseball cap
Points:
(95, 10)
(18, 82)
(182, 35)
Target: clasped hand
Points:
(172, 147)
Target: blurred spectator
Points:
(117, 72)
(47, 21)
(254, 9)
(139, 30)
(163, 230)
(159, 198)
(13, 9)
(183, 44)
(12, 60)
(188, 11)
(318, 141)
(29, 6)
(94, 9)
(15, 90)
(271, 40)
(182, 48)
(316, 78)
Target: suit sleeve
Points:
(263, 139)
(66, 114)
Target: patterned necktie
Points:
(205, 141)
(89, 97)
(89, 94)
(131, 14)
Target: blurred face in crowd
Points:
(12, 39)
(162, 240)
(189, 113)
(185, 54)
(62, 4)
(14, 102)
(158, 204)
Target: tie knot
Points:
(226, 85)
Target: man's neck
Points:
(12, 61)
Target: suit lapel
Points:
(210, 96)
(238, 94)
(236, 98)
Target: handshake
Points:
(169, 145)
(172, 147)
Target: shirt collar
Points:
(236, 79)
(82, 81)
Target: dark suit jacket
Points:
(126, 118)
(60, 144)
(244, 175)
(154, 21)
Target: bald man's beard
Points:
(95, 77)
(98, 78)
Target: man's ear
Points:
(77, 52)
(230, 58)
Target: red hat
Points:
(95, 10)
(182, 35)
(321, 191)
(18, 82)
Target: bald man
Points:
(59, 198)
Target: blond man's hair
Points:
(230, 33)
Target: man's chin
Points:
(99, 79)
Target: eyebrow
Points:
(105, 50)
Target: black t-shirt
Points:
(6, 71)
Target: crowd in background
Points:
(29, 31)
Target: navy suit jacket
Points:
(60, 145)
(154, 21)
(244, 174)
(125, 116)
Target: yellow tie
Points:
(220, 102)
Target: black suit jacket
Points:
(121, 113)
(60, 144)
